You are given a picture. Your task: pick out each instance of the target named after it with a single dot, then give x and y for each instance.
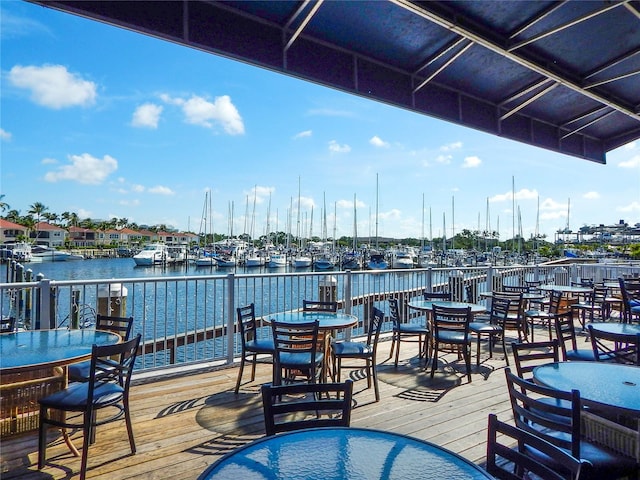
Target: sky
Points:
(107, 123)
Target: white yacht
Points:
(152, 254)
(41, 253)
(277, 260)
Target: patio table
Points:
(342, 453)
(625, 331)
(427, 305)
(33, 364)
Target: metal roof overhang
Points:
(561, 75)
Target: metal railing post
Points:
(230, 316)
(347, 293)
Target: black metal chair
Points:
(615, 348)
(592, 305)
(492, 328)
(106, 389)
(321, 405)
(361, 351)
(444, 296)
(554, 415)
(528, 355)
(319, 306)
(250, 343)
(630, 290)
(515, 319)
(296, 351)
(451, 327)
(79, 372)
(566, 332)
(542, 317)
(507, 457)
(407, 332)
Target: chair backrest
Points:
(615, 348)
(630, 290)
(247, 326)
(285, 411)
(515, 288)
(112, 364)
(500, 308)
(515, 318)
(394, 312)
(507, 458)
(319, 306)
(565, 332)
(528, 355)
(375, 324)
(293, 341)
(120, 325)
(555, 302)
(553, 415)
(445, 296)
(447, 319)
(7, 324)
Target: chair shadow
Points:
(222, 445)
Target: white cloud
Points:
(304, 134)
(348, 204)
(161, 190)
(4, 135)
(129, 203)
(335, 147)
(633, 162)
(471, 162)
(49, 161)
(138, 188)
(306, 203)
(451, 146)
(444, 159)
(259, 193)
(84, 169)
(199, 111)
(82, 213)
(591, 195)
(147, 115)
(630, 146)
(550, 204)
(632, 207)
(392, 214)
(53, 86)
(376, 141)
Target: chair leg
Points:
(374, 374)
(42, 438)
(87, 431)
(127, 419)
(397, 351)
(478, 349)
(240, 374)
(467, 359)
(254, 361)
(434, 360)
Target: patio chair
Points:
(630, 290)
(566, 332)
(515, 319)
(554, 416)
(407, 332)
(250, 343)
(492, 327)
(296, 352)
(444, 296)
(508, 457)
(615, 348)
(106, 389)
(592, 305)
(451, 327)
(319, 306)
(361, 351)
(545, 318)
(79, 372)
(528, 355)
(303, 405)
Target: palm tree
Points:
(3, 205)
(13, 216)
(37, 209)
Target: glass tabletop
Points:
(428, 305)
(616, 328)
(326, 320)
(599, 383)
(566, 288)
(50, 347)
(342, 453)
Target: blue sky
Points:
(104, 122)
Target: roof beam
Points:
(443, 66)
(475, 37)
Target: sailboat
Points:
(376, 259)
(206, 258)
(352, 260)
(301, 259)
(326, 260)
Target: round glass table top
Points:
(50, 347)
(325, 320)
(606, 384)
(616, 328)
(342, 453)
(428, 305)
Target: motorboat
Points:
(402, 259)
(152, 254)
(302, 261)
(40, 253)
(277, 260)
(377, 262)
(20, 252)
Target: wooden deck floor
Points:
(184, 423)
